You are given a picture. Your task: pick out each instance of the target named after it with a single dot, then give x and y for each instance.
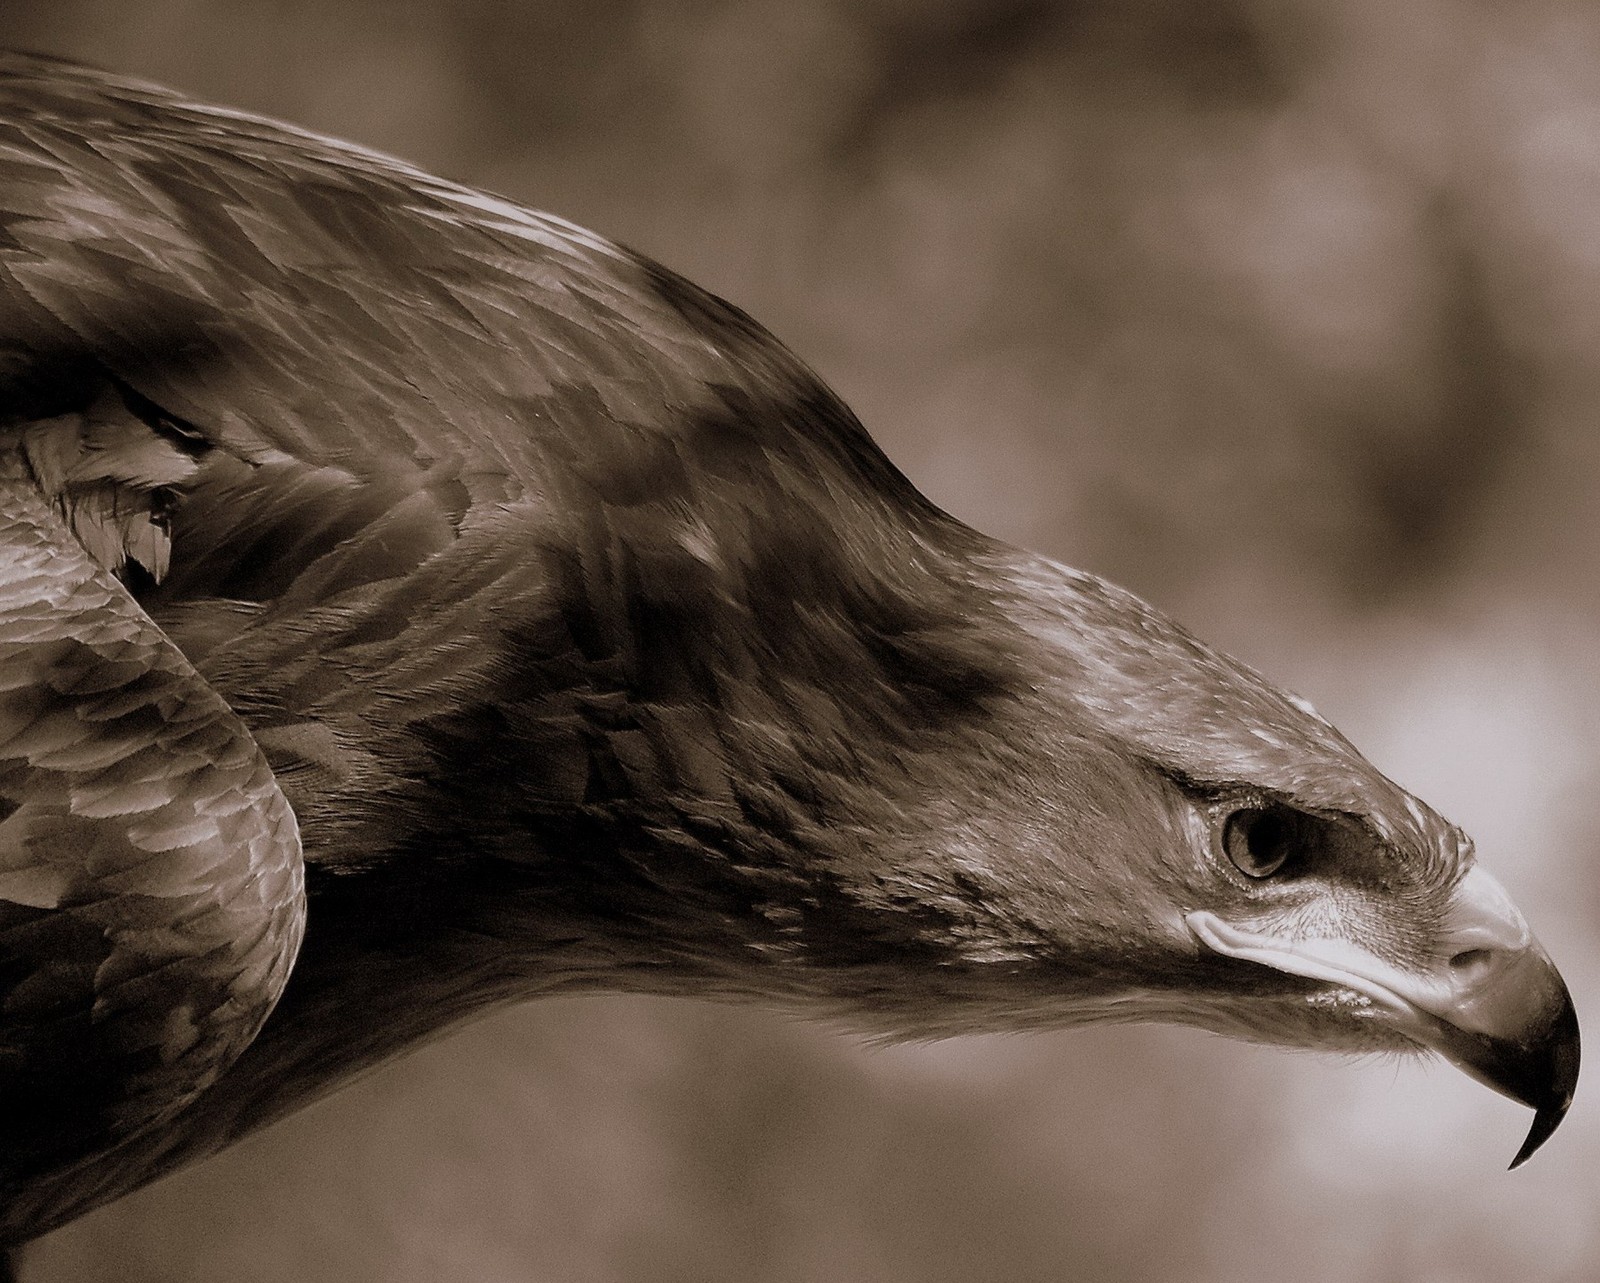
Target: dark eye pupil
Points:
(1257, 841)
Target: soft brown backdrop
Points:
(1286, 315)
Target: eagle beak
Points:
(1489, 1000)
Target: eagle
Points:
(411, 603)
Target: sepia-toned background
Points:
(1285, 315)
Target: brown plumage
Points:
(593, 644)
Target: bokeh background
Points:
(1287, 315)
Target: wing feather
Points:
(151, 898)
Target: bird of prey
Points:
(411, 603)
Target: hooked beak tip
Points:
(1560, 1048)
(1545, 1123)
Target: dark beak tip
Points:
(1564, 1054)
(1545, 1122)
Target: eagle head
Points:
(1231, 861)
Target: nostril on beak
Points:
(1472, 967)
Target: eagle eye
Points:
(1259, 841)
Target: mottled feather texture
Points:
(151, 892)
(592, 641)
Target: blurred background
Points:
(1286, 315)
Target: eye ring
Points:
(1258, 841)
